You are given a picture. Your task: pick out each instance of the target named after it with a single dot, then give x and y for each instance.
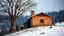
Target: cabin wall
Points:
(28, 24)
(36, 21)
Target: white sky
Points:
(49, 5)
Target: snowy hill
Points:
(40, 31)
(59, 24)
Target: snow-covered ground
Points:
(57, 30)
(40, 31)
(60, 24)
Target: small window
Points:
(42, 20)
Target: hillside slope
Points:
(40, 31)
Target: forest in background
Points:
(57, 16)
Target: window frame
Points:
(41, 20)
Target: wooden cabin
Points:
(40, 19)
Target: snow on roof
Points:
(37, 14)
(42, 13)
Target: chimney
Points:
(32, 13)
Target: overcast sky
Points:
(49, 5)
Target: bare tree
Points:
(15, 8)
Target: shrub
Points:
(17, 27)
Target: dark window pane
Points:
(42, 20)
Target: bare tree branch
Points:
(24, 7)
(15, 8)
(27, 6)
(3, 8)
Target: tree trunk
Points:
(12, 26)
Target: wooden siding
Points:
(36, 21)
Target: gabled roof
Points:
(41, 13)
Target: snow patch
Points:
(59, 24)
(40, 31)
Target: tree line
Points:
(57, 16)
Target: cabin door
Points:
(28, 24)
